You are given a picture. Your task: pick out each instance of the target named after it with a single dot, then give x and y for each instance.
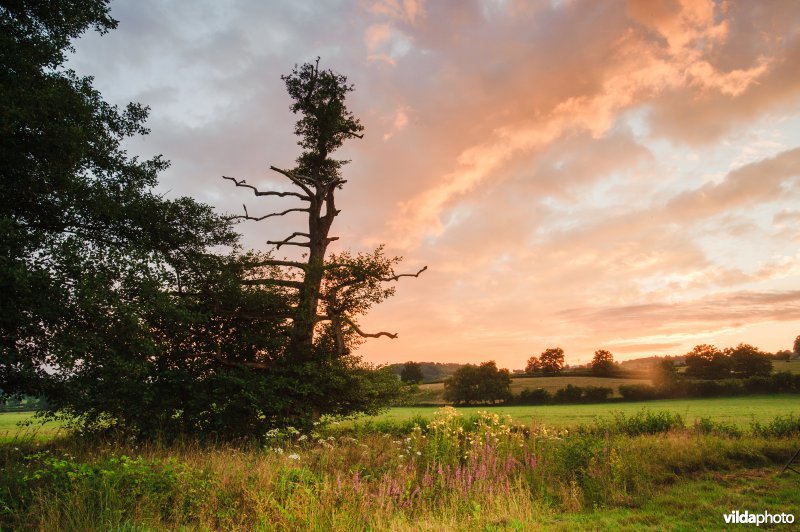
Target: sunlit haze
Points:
(589, 175)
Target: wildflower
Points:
(294, 456)
(302, 438)
(277, 450)
(419, 453)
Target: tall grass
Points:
(456, 472)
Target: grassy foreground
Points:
(482, 472)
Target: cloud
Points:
(581, 173)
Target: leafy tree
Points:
(748, 361)
(603, 363)
(411, 373)
(477, 384)
(796, 347)
(114, 309)
(707, 362)
(533, 365)
(552, 360)
(325, 293)
(87, 245)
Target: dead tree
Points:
(324, 124)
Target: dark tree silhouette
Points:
(533, 365)
(328, 292)
(707, 362)
(603, 363)
(748, 361)
(552, 360)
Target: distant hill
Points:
(431, 371)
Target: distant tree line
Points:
(739, 370)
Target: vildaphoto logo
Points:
(758, 519)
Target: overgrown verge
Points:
(452, 471)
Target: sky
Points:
(583, 174)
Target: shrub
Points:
(644, 422)
(569, 394)
(780, 427)
(638, 392)
(532, 396)
(785, 381)
(596, 394)
(706, 425)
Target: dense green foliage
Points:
(478, 384)
(114, 307)
(707, 362)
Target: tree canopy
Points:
(552, 360)
(478, 384)
(128, 309)
(603, 363)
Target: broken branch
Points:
(259, 218)
(243, 183)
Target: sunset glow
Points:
(583, 174)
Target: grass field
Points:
(792, 366)
(10, 428)
(433, 393)
(740, 411)
(643, 472)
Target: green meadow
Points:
(740, 411)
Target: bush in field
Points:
(638, 392)
(532, 396)
(568, 394)
(709, 426)
(643, 422)
(596, 394)
(785, 381)
(780, 427)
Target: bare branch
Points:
(396, 277)
(259, 218)
(277, 282)
(243, 183)
(362, 333)
(355, 282)
(294, 179)
(286, 241)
